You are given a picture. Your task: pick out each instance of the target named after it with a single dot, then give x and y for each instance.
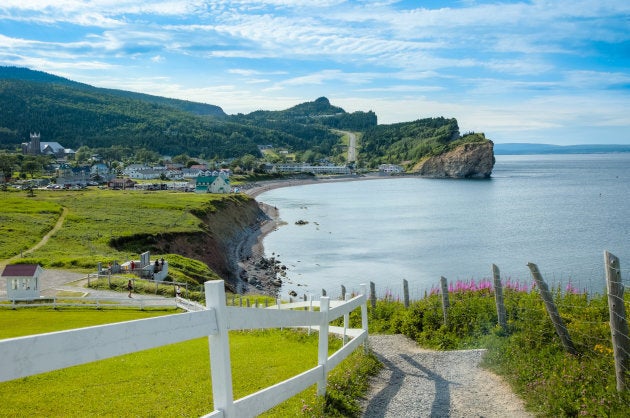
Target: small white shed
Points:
(22, 280)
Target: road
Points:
(352, 147)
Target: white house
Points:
(212, 184)
(315, 169)
(22, 280)
(390, 168)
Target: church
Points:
(36, 147)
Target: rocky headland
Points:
(471, 160)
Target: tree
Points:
(7, 165)
(247, 162)
(82, 155)
(31, 166)
(146, 156)
(181, 159)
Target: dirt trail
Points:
(42, 242)
(417, 382)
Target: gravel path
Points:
(416, 382)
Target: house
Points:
(307, 168)
(124, 183)
(72, 176)
(22, 281)
(390, 168)
(212, 184)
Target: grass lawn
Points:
(94, 218)
(23, 222)
(172, 380)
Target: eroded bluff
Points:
(471, 160)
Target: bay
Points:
(558, 211)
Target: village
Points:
(196, 175)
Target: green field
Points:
(96, 217)
(172, 380)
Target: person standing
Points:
(129, 287)
(178, 292)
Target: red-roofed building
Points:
(22, 280)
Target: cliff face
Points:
(471, 160)
(226, 234)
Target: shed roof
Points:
(20, 270)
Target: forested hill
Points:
(319, 112)
(76, 114)
(79, 115)
(24, 74)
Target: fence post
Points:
(618, 319)
(278, 302)
(310, 308)
(445, 301)
(364, 318)
(343, 292)
(220, 365)
(373, 295)
(552, 310)
(406, 293)
(346, 322)
(498, 296)
(322, 356)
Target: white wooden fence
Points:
(94, 302)
(26, 356)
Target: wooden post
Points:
(310, 308)
(221, 372)
(364, 318)
(278, 302)
(346, 324)
(373, 295)
(343, 292)
(406, 293)
(322, 355)
(445, 301)
(618, 320)
(498, 297)
(552, 310)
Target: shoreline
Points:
(258, 273)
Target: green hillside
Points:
(78, 115)
(410, 142)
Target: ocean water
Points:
(558, 211)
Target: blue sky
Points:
(545, 71)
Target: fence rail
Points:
(95, 302)
(29, 355)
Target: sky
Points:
(541, 71)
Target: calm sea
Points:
(558, 211)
